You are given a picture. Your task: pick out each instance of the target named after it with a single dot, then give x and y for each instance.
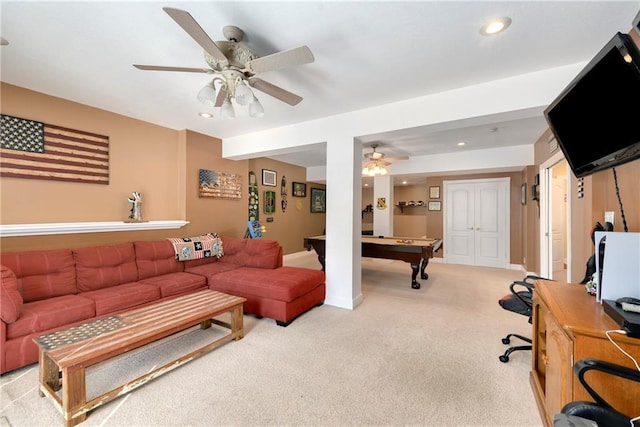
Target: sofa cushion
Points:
(40, 316)
(209, 270)
(42, 274)
(155, 258)
(177, 283)
(118, 298)
(11, 300)
(284, 283)
(100, 267)
(258, 253)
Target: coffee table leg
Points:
(74, 395)
(237, 325)
(48, 373)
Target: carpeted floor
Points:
(404, 357)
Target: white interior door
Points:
(555, 209)
(476, 222)
(459, 213)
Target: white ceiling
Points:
(367, 53)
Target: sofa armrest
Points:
(10, 297)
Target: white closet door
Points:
(476, 226)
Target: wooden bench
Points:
(64, 355)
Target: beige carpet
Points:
(404, 357)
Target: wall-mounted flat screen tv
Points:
(596, 118)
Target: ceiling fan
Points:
(375, 162)
(234, 65)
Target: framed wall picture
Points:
(434, 192)
(299, 189)
(318, 200)
(219, 185)
(434, 206)
(269, 178)
(269, 201)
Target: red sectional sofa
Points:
(42, 291)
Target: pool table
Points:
(414, 251)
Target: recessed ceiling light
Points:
(206, 115)
(460, 144)
(404, 182)
(495, 26)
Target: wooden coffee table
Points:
(64, 355)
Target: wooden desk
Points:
(569, 325)
(64, 355)
(417, 252)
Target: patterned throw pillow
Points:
(205, 246)
(216, 245)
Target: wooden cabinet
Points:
(569, 325)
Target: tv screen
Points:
(596, 118)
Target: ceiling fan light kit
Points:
(235, 66)
(234, 88)
(373, 169)
(207, 95)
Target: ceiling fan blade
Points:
(275, 91)
(375, 155)
(191, 26)
(184, 69)
(397, 158)
(286, 58)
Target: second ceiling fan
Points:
(235, 66)
(375, 162)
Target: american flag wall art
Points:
(35, 150)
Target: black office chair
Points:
(599, 411)
(519, 300)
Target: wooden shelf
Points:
(409, 206)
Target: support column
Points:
(383, 216)
(343, 260)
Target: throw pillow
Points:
(216, 245)
(204, 246)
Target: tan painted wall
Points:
(143, 157)
(599, 196)
(291, 226)
(410, 221)
(206, 214)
